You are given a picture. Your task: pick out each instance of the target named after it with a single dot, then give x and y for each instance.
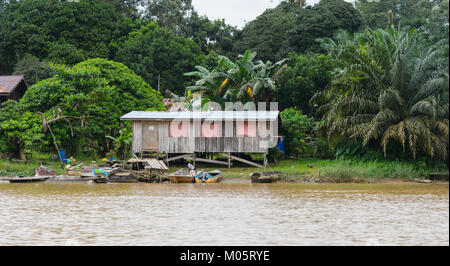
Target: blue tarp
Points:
(281, 144)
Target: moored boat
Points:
(208, 177)
(31, 179)
(182, 176)
(266, 177)
(101, 180)
(100, 176)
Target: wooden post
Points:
(265, 160)
(193, 157)
(229, 160)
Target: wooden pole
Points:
(265, 160)
(243, 160)
(229, 160)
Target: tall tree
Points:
(67, 32)
(182, 19)
(429, 15)
(160, 56)
(128, 8)
(300, 3)
(288, 28)
(172, 14)
(305, 76)
(32, 69)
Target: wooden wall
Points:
(198, 144)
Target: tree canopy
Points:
(305, 76)
(182, 19)
(153, 51)
(97, 91)
(390, 89)
(62, 31)
(290, 28)
(19, 129)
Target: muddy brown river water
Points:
(224, 214)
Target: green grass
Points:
(329, 170)
(13, 168)
(8, 168)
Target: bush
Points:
(19, 129)
(297, 128)
(98, 92)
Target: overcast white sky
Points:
(236, 12)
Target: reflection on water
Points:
(223, 214)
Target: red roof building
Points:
(12, 87)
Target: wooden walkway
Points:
(192, 157)
(156, 164)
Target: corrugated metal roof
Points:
(213, 115)
(8, 84)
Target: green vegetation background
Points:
(354, 83)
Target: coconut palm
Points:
(389, 88)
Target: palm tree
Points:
(389, 88)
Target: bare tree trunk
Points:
(22, 153)
(301, 3)
(390, 17)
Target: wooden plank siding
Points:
(192, 144)
(137, 137)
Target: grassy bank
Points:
(15, 168)
(8, 168)
(308, 170)
(328, 170)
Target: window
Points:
(211, 129)
(179, 130)
(246, 129)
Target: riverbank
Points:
(338, 171)
(309, 170)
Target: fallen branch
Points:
(57, 115)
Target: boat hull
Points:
(215, 179)
(28, 179)
(266, 177)
(181, 179)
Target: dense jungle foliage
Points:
(352, 79)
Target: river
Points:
(224, 214)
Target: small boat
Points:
(182, 176)
(266, 177)
(208, 177)
(100, 180)
(31, 179)
(100, 176)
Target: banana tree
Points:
(243, 80)
(261, 85)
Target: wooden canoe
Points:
(32, 179)
(266, 177)
(211, 177)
